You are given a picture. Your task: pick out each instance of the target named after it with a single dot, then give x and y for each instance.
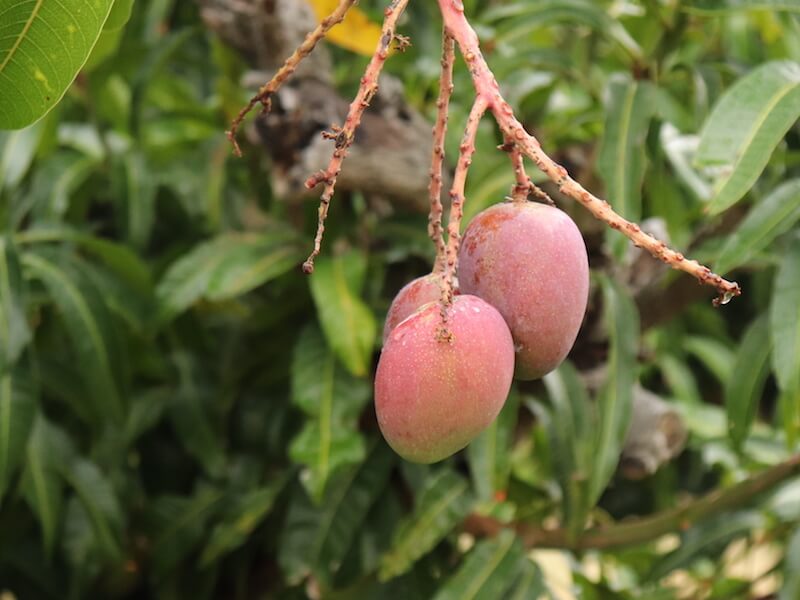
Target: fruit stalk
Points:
(466, 150)
(343, 136)
(290, 66)
(486, 87)
(437, 154)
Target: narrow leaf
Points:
(490, 453)
(614, 402)
(444, 502)
(241, 521)
(768, 219)
(721, 7)
(489, 570)
(17, 149)
(89, 325)
(17, 411)
(743, 390)
(715, 355)
(785, 321)
(43, 45)
(622, 160)
(333, 399)
(348, 324)
(791, 568)
(14, 331)
(745, 126)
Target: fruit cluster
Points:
(523, 288)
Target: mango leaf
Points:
(745, 126)
(120, 14)
(240, 521)
(17, 149)
(622, 161)
(743, 389)
(721, 7)
(225, 267)
(14, 331)
(17, 411)
(614, 402)
(768, 219)
(715, 355)
(332, 398)
(356, 32)
(443, 503)
(489, 570)
(347, 322)
(785, 320)
(98, 498)
(571, 438)
(317, 538)
(48, 450)
(490, 453)
(43, 45)
(529, 584)
(179, 526)
(791, 568)
(89, 325)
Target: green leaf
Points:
(240, 521)
(120, 14)
(347, 322)
(98, 498)
(747, 123)
(743, 389)
(490, 453)
(17, 149)
(42, 484)
(444, 502)
(317, 538)
(333, 399)
(614, 402)
(14, 331)
(721, 7)
(89, 325)
(17, 411)
(43, 45)
(179, 526)
(784, 318)
(571, 438)
(768, 219)
(715, 355)
(225, 267)
(791, 568)
(622, 161)
(489, 570)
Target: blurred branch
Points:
(638, 531)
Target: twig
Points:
(343, 137)
(466, 150)
(435, 230)
(648, 528)
(268, 89)
(523, 187)
(486, 87)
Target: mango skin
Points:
(529, 261)
(411, 298)
(433, 397)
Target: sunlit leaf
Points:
(622, 160)
(768, 219)
(347, 322)
(489, 570)
(444, 502)
(743, 389)
(17, 410)
(747, 123)
(42, 47)
(356, 32)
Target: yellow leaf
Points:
(356, 32)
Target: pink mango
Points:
(432, 397)
(410, 298)
(529, 261)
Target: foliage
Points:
(184, 414)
